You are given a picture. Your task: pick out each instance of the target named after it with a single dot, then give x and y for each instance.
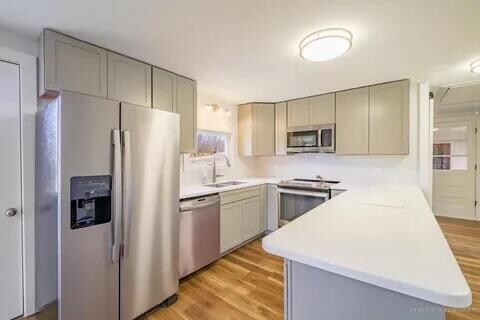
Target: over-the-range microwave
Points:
(319, 138)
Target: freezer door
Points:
(88, 278)
(149, 264)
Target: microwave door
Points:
(302, 141)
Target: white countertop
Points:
(382, 235)
(202, 190)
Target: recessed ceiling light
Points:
(326, 44)
(475, 66)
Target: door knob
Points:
(10, 212)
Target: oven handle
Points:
(304, 193)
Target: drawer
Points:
(239, 194)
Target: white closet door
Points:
(10, 193)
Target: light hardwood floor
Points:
(248, 283)
(463, 236)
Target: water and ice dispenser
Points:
(90, 201)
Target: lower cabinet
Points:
(250, 218)
(230, 222)
(243, 216)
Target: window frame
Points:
(193, 162)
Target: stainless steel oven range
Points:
(299, 196)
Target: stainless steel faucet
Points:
(319, 177)
(214, 171)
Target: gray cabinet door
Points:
(389, 123)
(164, 90)
(263, 129)
(322, 109)
(70, 64)
(129, 80)
(245, 132)
(263, 207)
(281, 129)
(351, 114)
(187, 108)
(298, 113)
(251, 219)
(230, 225)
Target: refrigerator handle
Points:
(127, 181)
(117, 194)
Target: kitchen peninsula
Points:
(372, 253)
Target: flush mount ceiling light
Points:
(326, 44)
(475, 66)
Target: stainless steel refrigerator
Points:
(107, 198)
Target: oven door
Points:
(294, 203)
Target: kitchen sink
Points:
(232, 183)
(224, 184)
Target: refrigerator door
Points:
(149, 264)
(88, 278)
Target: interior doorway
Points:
(456, 150)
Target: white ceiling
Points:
(247, 50)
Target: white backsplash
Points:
(347, 169)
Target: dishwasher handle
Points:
(192, 204)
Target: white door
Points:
(10, 193)
(454, 169)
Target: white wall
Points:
(218, 121)
(353, 169)
(18, 43)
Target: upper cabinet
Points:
(281, 129)
(256, 129)
(352, 121)
(186, 107)
(322, 109)
(373, 120)
(69, 64)
(389, 118)
(312, 111)
(263, 129)
(129, 80)
(164, 90)
(298, 112)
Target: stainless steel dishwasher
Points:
(199, 233)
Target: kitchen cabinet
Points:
(272, 207)
(66, 63)
(298, 113)
(281, 129)
(263, 207)
(129, 80)
(241, 216)
(250, 218)
(230, 221)
(263, 129)
(352, 121)
(322, 109)
(186, 107)
(164, 90)
(389, 118)
(256, 129)
(312, 111)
